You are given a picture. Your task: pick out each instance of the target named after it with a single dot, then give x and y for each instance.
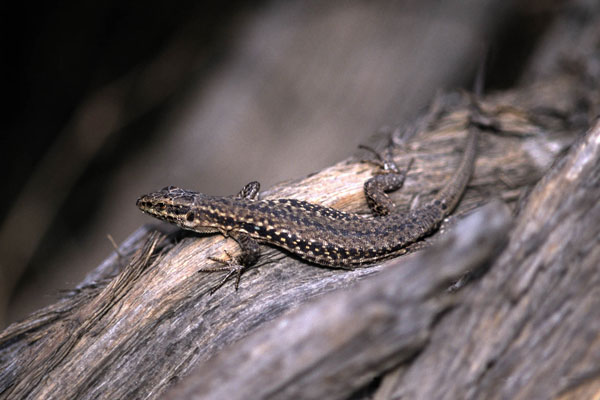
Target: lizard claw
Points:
(231, 265)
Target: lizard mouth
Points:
(160, 208)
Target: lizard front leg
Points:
(250, 253)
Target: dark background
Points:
(104, 101)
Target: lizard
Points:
(315, 233)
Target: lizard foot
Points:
(231, 265)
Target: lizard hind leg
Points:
(388, 179)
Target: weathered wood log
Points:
(523, 324)
(143, 321)
(350, 337)
(530, 328)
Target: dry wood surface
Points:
(502, 302)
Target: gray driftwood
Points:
(522, 323)
(352, 336)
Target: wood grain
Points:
(523, 323)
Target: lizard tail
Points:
(453, 190)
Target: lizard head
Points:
(181, 207)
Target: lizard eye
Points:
(190, 216)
